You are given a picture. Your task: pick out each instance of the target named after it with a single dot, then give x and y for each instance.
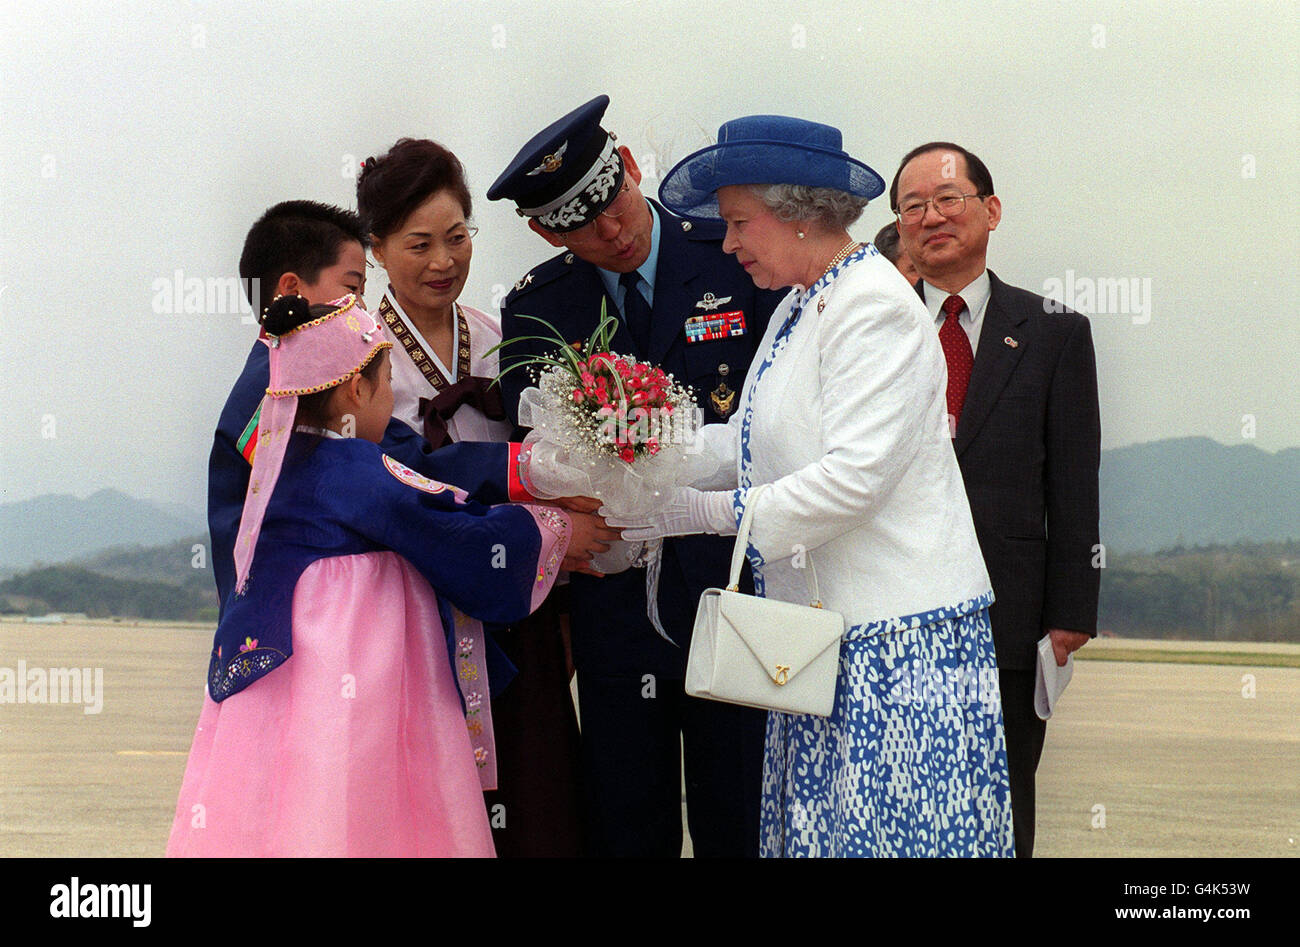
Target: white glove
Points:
(685, 511)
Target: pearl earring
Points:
(800, 234)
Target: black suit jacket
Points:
(1029, 446)
(611, 634)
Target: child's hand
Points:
(589, 536)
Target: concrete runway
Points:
(1142, 759)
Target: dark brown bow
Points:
(438, 410)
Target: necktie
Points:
(957, 350)
(636, 311)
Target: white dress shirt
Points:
(976, 297)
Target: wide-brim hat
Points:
(765, 149)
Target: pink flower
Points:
(653, 445)
(588, 379)
(577, 396)
(627, 455)
(248, 645)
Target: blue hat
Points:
(567, 174)
(765, 149)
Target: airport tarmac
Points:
(1142, 759)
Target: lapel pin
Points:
(1011, 342)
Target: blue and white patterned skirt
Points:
(912, 762)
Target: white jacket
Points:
(846, 417)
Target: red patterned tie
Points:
(956, 349)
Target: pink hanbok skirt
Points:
(355, 746)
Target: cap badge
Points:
(550, 162)
(524, 282)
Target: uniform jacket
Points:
(611, 634)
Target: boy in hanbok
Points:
(346, 715)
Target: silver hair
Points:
(835, 209)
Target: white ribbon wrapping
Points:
(562, 462)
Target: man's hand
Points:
(1064, 643)
(588, 537)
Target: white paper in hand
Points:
(1050, 680)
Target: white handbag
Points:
(761, 652)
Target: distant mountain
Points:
(59, 527)
(1193, 491)
(1189, 491)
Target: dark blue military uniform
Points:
(635, 716)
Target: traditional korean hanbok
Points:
(534, 784)
(846, 418)
(346, 687)
(345, 683)
(464, 406)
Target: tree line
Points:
(1242, 592)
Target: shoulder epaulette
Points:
(542, 274)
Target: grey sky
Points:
(1144, 141)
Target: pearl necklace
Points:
(843, 255)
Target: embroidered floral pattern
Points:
(225, 678)
(420, 482)
(552, 519)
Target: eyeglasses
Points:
(948, 205)
(619, 201)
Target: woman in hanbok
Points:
(345, 682)
(845, 418)
(416, 204)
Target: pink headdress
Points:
(319, 354)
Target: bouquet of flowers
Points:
(604, 425)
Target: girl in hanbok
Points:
(345, 700)
(416, 204)
(845, 418)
